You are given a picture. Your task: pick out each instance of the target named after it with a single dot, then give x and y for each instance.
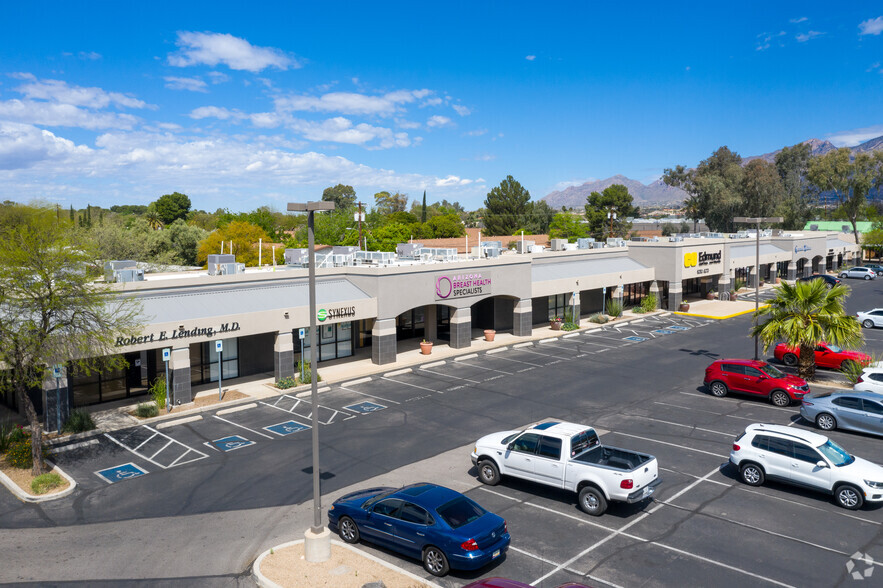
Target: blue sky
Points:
(242, 106)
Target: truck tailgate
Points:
(645, 474)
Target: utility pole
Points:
(750, 220)
(360, 203)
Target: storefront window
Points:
(335, 341)
(558, 306)
(106, 384)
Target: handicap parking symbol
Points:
(365, 407)
(637, 339)
(120, 473)
(678, 328)
(232, 442)
(663, 332)
(287, 428)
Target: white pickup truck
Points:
(569, 456)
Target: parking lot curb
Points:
(717, 318)
(28, 497)
(264, 582)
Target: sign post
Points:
(166, 354)
(56, 373)
(301, 333)
(219, 347)
(603, 299)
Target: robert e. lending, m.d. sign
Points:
(462, 285)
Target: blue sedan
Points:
(432, 523)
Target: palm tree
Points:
(805, 314)
(153, 220)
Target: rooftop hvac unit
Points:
(813, 227)
(558, 244)
(675, 239)
(536, 248)
(597, 245)
(615, 242)
(345, 249)
(111, 267)
(441, 253)
(409, 250)
(229, 269)
(714, 235)
(584, 243)
(492, 244)
(492, 252)
(128, 275)
(570, 247)
(639, 239)
(524, 246)
(297, 257)
(216, 261)
(374, 257)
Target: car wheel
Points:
(867, 277)
(435, 562)
(826, 422)
(790, 359)
(844, 275)
(592, 501)
(488, 472)
(849, 497)
(868, 324)
(348, 530)
(752, 474)
(718, 389)
(780, 398)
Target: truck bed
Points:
(613, 457)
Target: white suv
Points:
(871, 380)
(804, 458)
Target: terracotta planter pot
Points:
(733, 296)
(556, 325)
(489, 334)
(426, 348)
(684, 307)
(710, 296)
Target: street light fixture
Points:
(752, 220)
(611, 214)
(317, 540)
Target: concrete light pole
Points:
(757, 220)
(317, 539)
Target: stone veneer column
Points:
(461, 328)
(724, 283)
(675, 295)
(773, 273)
(574, 307)
(656, 291)
(522, 318)
(283, 355)
(56, 400)
(179, 372)
(430, 322)
(835, 263)
(792, 271)
(807, 269)
(383, 341)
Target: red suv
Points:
(827, 356)
(759, 378)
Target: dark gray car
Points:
(857, 411)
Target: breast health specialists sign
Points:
(462, 286)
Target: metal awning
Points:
(737, 251)
(586, 267)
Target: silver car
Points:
(865, 273)
(857, 411)
(870, 318)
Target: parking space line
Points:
(145, 442)
(449, 376)
(725, 400)
(520, 361)
(671, 444)
(571, 570)
(732, 416)
(465, 357)
(721, 564)
(129, 449)
(243, 426)
(366, 394)
(790, 501)
(637, 416)
(415, 385)
(718, 482)
(161, 449)
(481, 367)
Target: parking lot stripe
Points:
(790, 501)
(685, 489)
(571, 570)
(672, 444)
(637, 416)
(520, 361)
(465, 357)
(138, 454)
(725, 400)
(145, 442)
(238, 408)
(414, 385)
(354, 382)
(366, 394)
(244, 427)
(497, 350)
(161, 449)
(429, 365)
(709, 480)
(481, 367)
(705, 411)
(449, 376)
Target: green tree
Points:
(805, 314)
(714, 189)
(795, 207)
(342, 195)
(445, 226)
(761, 188)
(51, 310)
(423, 213)
(184, 240)
(505, 206)
(614, 198)
(568, 226)
(386, 203)
(154, 221)
(539, 218)
(848, 180)
(245, 237)
(386, 238)
(171, 207)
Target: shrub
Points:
(146, 410)
(308, 373)
(738, 284)
(46, 482)
(614, 307)
(158, 392)
(648, 304)
(852, 370)
(19, 454)
(569, 327)
(285, 383)
(79, 421)
(10, 434)
(598, 318)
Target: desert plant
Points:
(146, 410)
(598, 318)
(614, 307)
(852, 370)
(79, 421)
(10, 434)
(648, 304)
(308, 372)
(738, 284)
(286, 383)
(46, 482)
(19, 454)
(158, 393)
(569, 327)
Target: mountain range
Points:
(659, 193)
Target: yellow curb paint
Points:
(708, 316)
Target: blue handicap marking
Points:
(663, 332)
(365, 407)
(232, 442)
(120, 473)
(287, 428)
(678, 328)
(638, 339)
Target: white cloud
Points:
(461, 110)
(218, 77)
(407, 124)
(218, 112)
(59, 91)
(797, 21)
(482, 157)
(62, 115)
(568, 183)
(872, 26)
(351, 102)
(804, 37)
(214, 48)
(764, 40)
(530, 57)
(853, 137)
(23, 146)
(452, 181)
(476, 132)
(438, 121)
(342, 130)
(89, 55)
(190, 84)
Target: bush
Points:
(614, 307)
(569, 327)
(78, 422)
(852, 370)
(10, 434)
(308, 373)
(19, 454)
(46, 482)
(285, 383)
(638, 310)
(648, 304)
(598, 318)
(158, 392)
(146, 410)
(738, 284)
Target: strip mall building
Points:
(258, 314)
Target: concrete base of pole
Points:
(317, 546)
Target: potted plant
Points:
(555, 323)
(489, 334)
(425, 347)
(684, 307)
(733, 295)
(710, 295)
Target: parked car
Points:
(830, 280)
(856, 411)
(876, 267)
(804, 458)
(425, 521)
(758, 378)
(568, 456)
(871, 379)
(827, 356)
(859, 271)
(870, 318)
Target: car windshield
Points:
(460, 511)
(370, 502)
(838, 456)
(835, 349)
(773, 372)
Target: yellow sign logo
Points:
(691, 259)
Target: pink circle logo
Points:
(443, 287)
